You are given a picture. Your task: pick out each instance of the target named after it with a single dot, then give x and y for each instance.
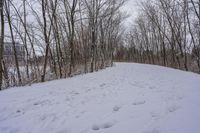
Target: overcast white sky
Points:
(132, 9)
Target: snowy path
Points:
(128, 98)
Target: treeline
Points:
(166, 32)
(61, 38)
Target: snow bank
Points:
(128, 98)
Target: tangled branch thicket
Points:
(167, 33)
(61, 38)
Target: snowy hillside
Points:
(128, 98)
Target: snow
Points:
(126, 98)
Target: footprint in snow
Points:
(74, 93)
(155, 115)
(172, 108)
(179, 98)
(63, 131)
(15, 130)
(88, 90)
(102, 85)
(20, 112)
(152, 87)
(116, 108)
(103, 126)
(152, 131)
(95, 127)
(107, 125)
(139, 102)
(41, 103)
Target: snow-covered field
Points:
(128, 98)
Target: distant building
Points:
(9, 52)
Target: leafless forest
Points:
(166, 32)
(63, 38)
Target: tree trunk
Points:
(13, 42)
(1, 43)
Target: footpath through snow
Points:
(128, 98)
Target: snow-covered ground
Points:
(128, 98)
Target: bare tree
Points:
(7, 8)
(1, 42)
(165, 28)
